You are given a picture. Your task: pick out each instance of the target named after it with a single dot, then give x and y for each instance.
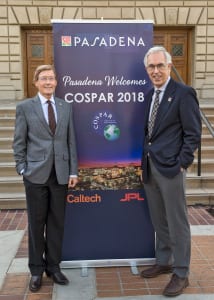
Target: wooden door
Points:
(177, 42)
(39, 51)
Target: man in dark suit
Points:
(172, 134)
(45, 154)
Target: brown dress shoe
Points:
(176, 286)
(156, 270)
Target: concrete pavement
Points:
(80, 288)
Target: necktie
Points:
(153, 113)
(51, 117)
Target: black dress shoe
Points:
(58, 277)
(35, 283)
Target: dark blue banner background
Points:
(117, 227)
(101, 73)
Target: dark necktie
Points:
(154, 112)
(51, 117)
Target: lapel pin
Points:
(169, 99)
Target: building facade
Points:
(184, 27)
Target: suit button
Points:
(149, 143)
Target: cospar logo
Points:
(105, 124)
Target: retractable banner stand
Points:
(100, 71)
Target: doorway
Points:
(178, 44)
(38, 48)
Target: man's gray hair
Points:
(42, 68)
(156, 49)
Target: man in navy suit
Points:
(171, 138)
(46, 157)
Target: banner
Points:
(100, 71)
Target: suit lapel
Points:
(166, 102)
(39, 111)
(148, 107)
(59, 110)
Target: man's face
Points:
(157, 69)
(46, 83)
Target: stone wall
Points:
(17, 13)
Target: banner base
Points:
(85, 264)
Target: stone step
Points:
(6, 155)
(6, 143)
(207, 166)
(12, 184)
(207, 109)
(207, 152)
(12, 201)
(205, 130)
(7, 169)
(200, 196)
(7, 121)
(200, 182)
(207, 140)
(211, 118)
(7, 111)
(6, 131)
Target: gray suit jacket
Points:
(36, 148)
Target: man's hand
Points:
(72, 182)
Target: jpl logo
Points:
(131, 196)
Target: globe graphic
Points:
(111, 132)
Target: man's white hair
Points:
(156, 49)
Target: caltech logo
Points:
(93, 40)
(131, 196)
(82, 198)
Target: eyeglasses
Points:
(160, 67)
(46, 79)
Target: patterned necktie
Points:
(51, 117)
(153, 113)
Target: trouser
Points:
(46, 209)
(168, 210)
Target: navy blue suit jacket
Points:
(176, 133)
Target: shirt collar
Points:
(163, 87)
(44, 100)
